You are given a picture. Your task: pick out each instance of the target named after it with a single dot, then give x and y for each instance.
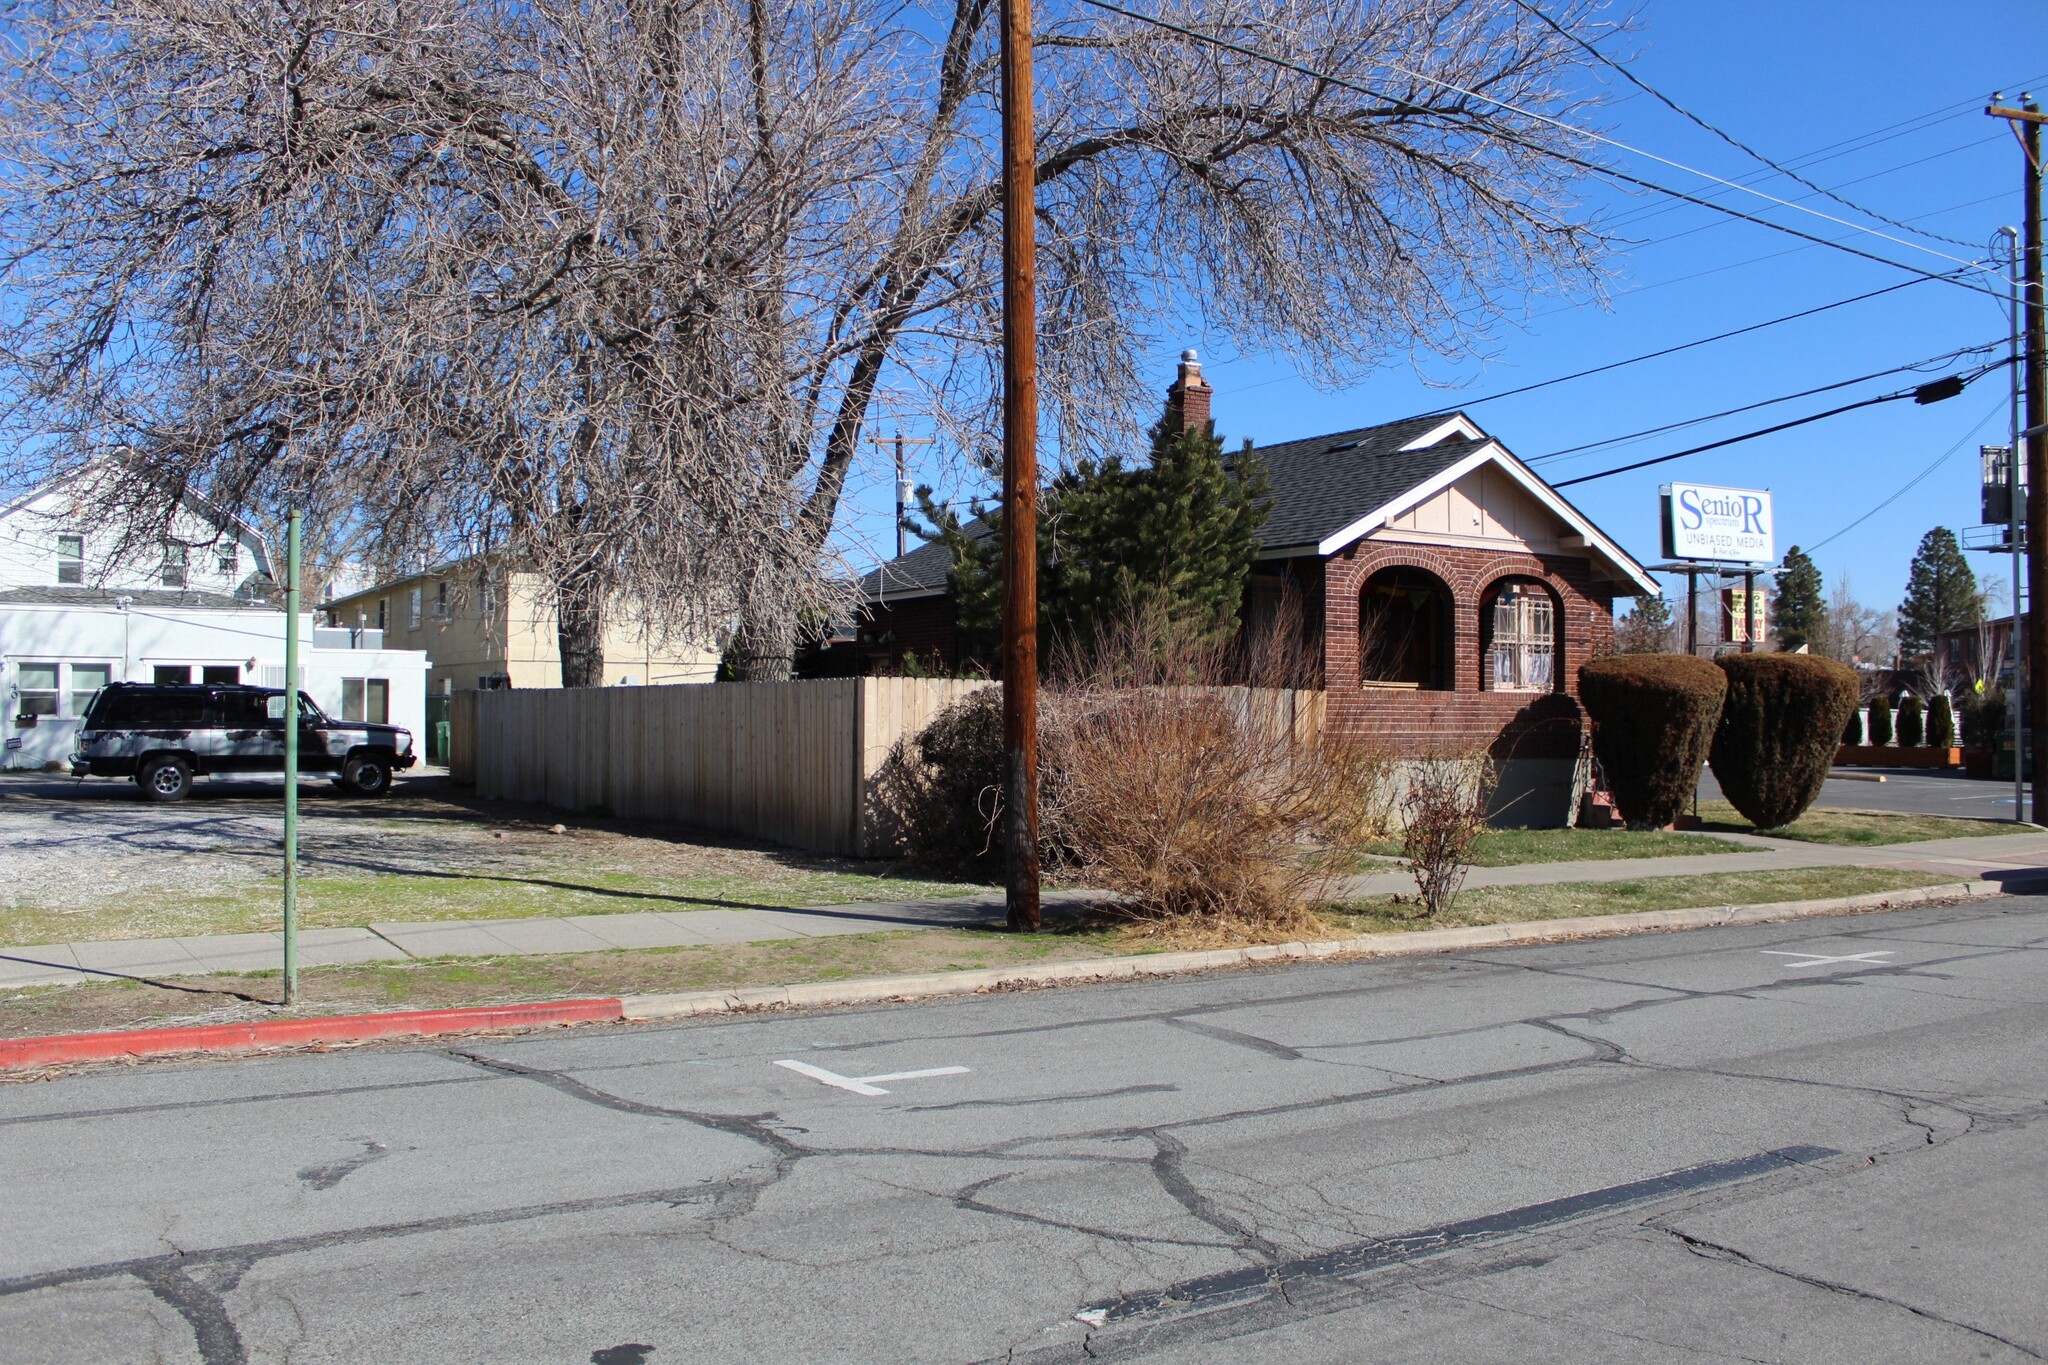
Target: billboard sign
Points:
(1723, 525)
(1746, 616)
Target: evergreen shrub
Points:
(1653, 720)
(1852, 733)
(1777, 733)
(1941, 722)
(1912, 722)
(1880, 721)
(1984, 719)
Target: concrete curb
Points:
(67, 1049)
(934, 984)
(76, 1048)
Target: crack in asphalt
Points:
(1717, 1251)
(193, 1283)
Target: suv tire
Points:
(165, 778)
(366, 775)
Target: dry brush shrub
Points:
(1778, 731)
(1445, 808)
(1653, 720)
(1181, 775)
(938, 796)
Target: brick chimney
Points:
(1190, 394)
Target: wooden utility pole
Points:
(902, 481)
(1020, 474)
(2027, 120)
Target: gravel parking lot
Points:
(91, 859)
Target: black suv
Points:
(161, 735)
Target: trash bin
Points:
(437, 742)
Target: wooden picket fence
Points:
(794, 763)
(787, 762)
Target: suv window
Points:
(241, 710)
(166, 709)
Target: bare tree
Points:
(613, 287)
(1855, 634)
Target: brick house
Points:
(1449, 592)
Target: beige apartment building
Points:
(486, 626)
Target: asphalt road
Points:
(1819, 1141)
(1913, 791)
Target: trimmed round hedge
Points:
(1653, 719)
(1780, 724)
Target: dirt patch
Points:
(88, 860)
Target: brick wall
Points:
(1468, 715)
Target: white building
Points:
(74, 618)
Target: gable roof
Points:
(1330, 491)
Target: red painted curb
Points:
(346, 1028)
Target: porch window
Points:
(1524, 639)
(1403, 628)
(37, 685)
(71, 559)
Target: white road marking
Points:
(1822, 960)
(865, 1085)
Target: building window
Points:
(487, 595)
(86, 681)
(1524, 647)
(174, 566)
(228, 561)
(441, 600)
(167, 675)
(1404, 631)
(36, 685)
(221, 675)
(71, 559)
(383, 610)
(413, 615)
(366, 699)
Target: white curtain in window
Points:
(1524, 641)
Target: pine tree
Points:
(1646, 630)
(1176, 536)
(1941, 593)
(1800, 610)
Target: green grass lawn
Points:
(470, 981)
(1564, 900)
(1825, 825)
(328, 902)
(1507, 847)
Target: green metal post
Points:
(291, 763)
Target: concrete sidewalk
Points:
(53, 964)
(2009, 858)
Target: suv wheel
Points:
(165, 778)
(366, 776)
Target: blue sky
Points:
(1790, 78)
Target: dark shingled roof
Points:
(137, 597)
(1320, 486)
(1325, 483)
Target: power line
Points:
(1766, 403)
(1862, 142)
(1913, 482)
(1752, 435)
(1686, 346)
(1675, 107)
(1580, 162)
